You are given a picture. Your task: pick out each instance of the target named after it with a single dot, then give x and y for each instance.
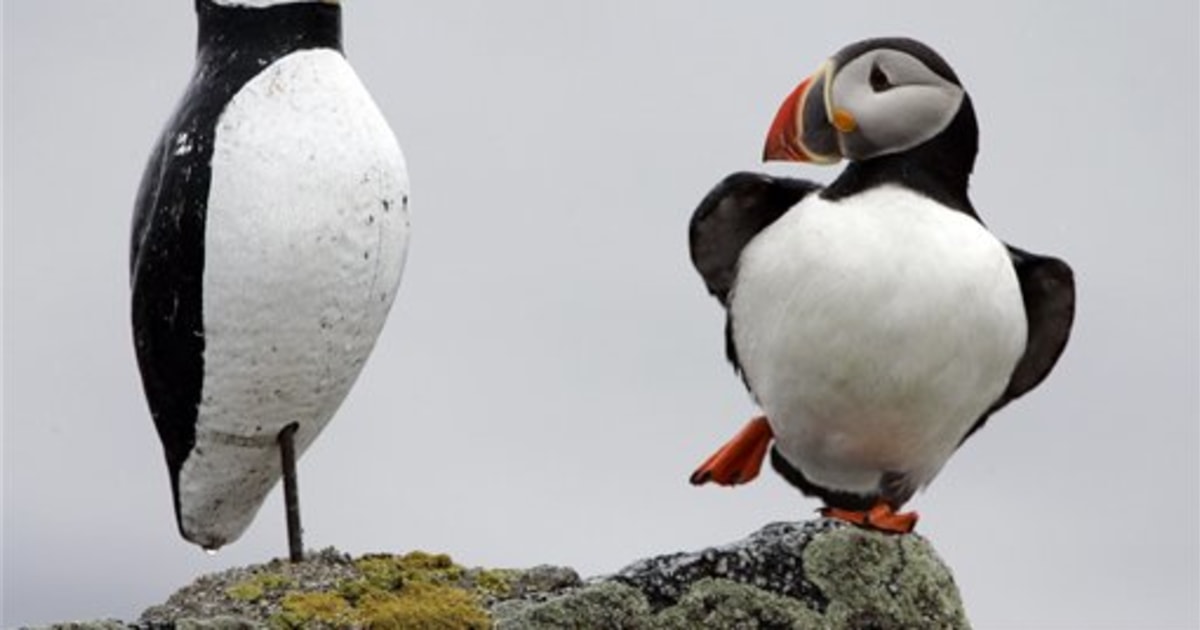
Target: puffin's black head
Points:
(873, 98)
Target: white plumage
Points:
(307, 229)
(874, 330)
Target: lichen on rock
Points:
(600, 605)
(721, 603)
(883, 581)
(818, 574)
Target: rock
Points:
(245, 595)
(600, 605)
(542, 580)
(104, 624)
(816, 574)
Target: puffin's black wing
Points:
(730, 215)
(1048, 289)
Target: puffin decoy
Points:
(268, 240)
(876, 321)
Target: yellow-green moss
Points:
(248, 591)
(495, 582)
(422, 561)
(390, 572)
(417, 590)
(422, 566)
(380, 571)
(354, 590)
(423, 606)
(256, 587)
(305, 610)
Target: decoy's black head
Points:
(260, 4)
(873, 98)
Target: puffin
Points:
(876, 321)
(269, 236)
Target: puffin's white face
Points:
(879, 101)
(260, 4)
(886, 101)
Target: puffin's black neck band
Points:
(940, 168)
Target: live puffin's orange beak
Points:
(802, 130)
(783, 140)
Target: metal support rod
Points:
(291, 497)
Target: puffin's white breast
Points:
(874, 330)
(305, 240)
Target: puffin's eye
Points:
(879, 80)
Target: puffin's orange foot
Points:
(740, 459)
(881, 517)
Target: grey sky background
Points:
(553, 370)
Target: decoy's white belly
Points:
(874, 331)
(305, 241)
